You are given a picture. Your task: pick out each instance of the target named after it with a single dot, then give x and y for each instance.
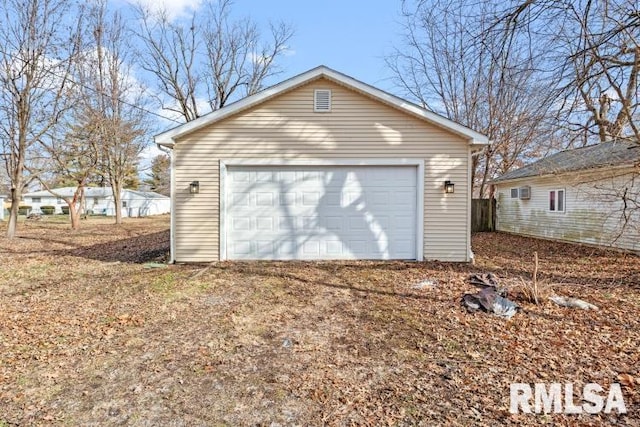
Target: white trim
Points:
(420, 211)
(556, 199)
(418, 163)
(468, 202)
(222, 224)
(172, 217)
(322, 162)
(168, 138)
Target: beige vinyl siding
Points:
(593, 214)
(286, 127)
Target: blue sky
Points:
(351, 36)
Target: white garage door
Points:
(321, 212)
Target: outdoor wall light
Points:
(194, 187)
(448, 187)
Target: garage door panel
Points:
(241, 224)
(286, 250)
(287, 199)
(241, 247)
(323, 212)
(264, 199)
(332, 223)
(331, 199)
(311, 249)
(265, 247)
(241, 176)
(334, 247)
(310, 198)
(264, 224)
(240, 199)
(287, 223)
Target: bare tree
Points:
(593, 61)
(444, 65)
(160, 174)
(207, 59)
(73, 159)
(37, 49)
(113, 104)
(237, 58)
(593, 58)
(170, 54)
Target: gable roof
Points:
(604, 154)
(168, 137)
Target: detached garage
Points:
(318, 167)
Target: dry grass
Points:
(88, 335)
(531, 292)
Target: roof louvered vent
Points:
(322, 100)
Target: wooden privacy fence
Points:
(483, 214)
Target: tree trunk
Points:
(485, 174)
(75, 217)
(117, 200)
(75, 208)
(13, 213)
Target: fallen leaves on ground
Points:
(88, 335)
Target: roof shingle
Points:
(612, 153)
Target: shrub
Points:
(65, 209)
(47, 210)
(24, 210)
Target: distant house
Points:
(2, 199)
(576, 195)
(99, 201)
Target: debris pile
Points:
(572, 303)
(491, 298)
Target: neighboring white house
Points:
(2, 207)
(586, 195)
(99, 201)
(321, 166)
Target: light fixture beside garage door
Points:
(449, 187)
(194, 187)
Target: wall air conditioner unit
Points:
(525, 192)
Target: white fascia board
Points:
(167, 138)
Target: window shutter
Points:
(322, 100)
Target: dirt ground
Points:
(90, 335)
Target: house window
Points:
(36, 200)
(59, 200)
(556, 201)
(96, 201)
(124, 203)
(514, 193)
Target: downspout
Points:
(172, 248)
